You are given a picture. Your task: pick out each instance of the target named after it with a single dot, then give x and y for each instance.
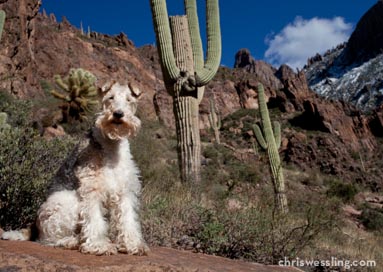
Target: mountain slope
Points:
(353, 72)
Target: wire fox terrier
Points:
(99, 215)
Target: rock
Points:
(351, 211)
(375, 199)
(366, 41)
(163, 103)
(243, 59)
(233, 204)
(295, 86)
(376, 122)
(53, 132)
(18, 44)
(28, 256)
(316, 58)
(332, 118)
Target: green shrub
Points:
(344, 191)
(27, 164)
(372, 219)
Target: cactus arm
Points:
(59, 81)
(195, 36)
(259, 136)
(2, 21)
(60, 96)
(164, 39)
(214, 47)
(277, 133)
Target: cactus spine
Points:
(2, 21)
(270, 140)
(186, 73)
(80, 93)
(215, 121)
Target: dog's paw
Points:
(68, 243)
(99, 248)
(140, 249)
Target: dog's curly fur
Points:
(100, 216)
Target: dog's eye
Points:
(111, 98)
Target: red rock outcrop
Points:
(17, 53)
(36, 48)
(351, 128)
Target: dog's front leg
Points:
(129, 237)
(94, 227)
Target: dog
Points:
(98, 215)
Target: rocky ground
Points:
(29, 256)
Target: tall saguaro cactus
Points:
(270, 140)
(186, 72)
(2, 21)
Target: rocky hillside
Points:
(353, 72)
(36, 47)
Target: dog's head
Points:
(117, 119)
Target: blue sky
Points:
(275, 31)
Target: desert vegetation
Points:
(230, 213)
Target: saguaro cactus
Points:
(186, 72)
(3, 122)
(215, 121)
(271, 140)
(2, 21)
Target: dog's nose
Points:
(118, 114)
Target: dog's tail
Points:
(17, 235)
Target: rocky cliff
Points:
(353, 72)
(35, 47)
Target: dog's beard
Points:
(117, 129)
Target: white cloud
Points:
(304, 38)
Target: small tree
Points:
(186, 73)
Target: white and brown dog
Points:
(99, 215)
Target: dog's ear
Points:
(106, 88)
(136, 92)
